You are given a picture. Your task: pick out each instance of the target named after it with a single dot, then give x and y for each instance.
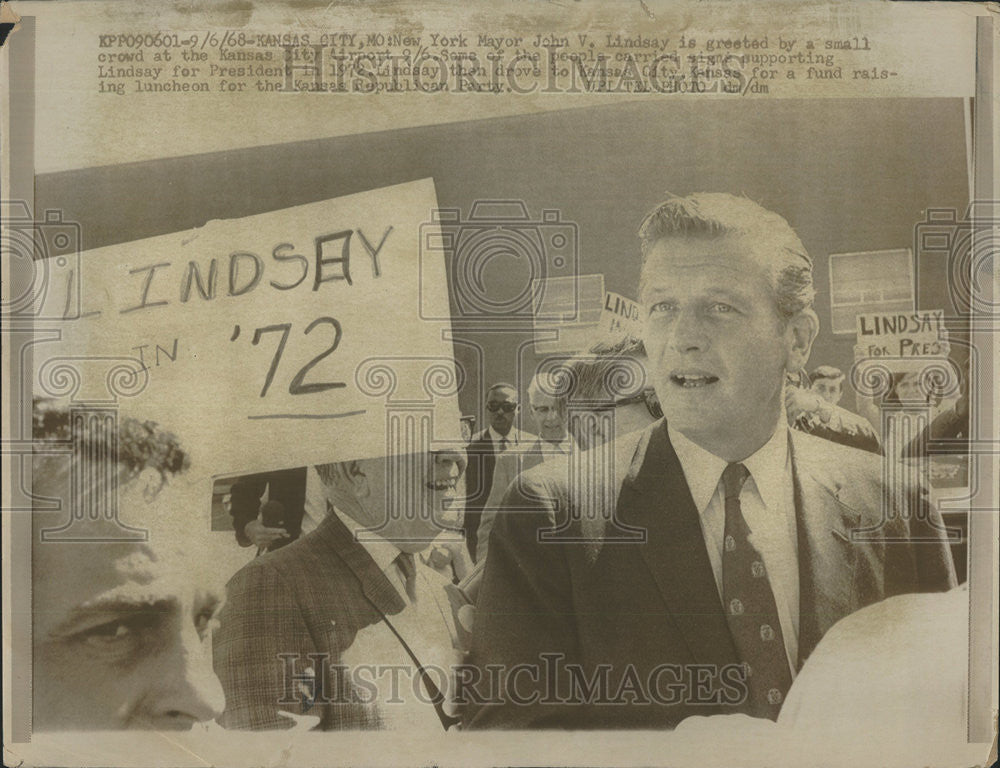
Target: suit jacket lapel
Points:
(827, 557)
(487, 451)
(655, 496)
(479, 482)
(376, 587)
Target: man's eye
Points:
(119, 635)
(107, 634)
(722, 308)
(660, 307)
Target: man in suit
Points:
(483, 449)
(348, 623)
(749, 540)
(550, 418)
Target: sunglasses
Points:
(505, 407)
(648, 398)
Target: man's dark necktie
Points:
(408, 567)
(504, 444)
(750, 608)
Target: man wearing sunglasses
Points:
(550, 419)
(483, 449)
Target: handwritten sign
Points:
(275, 340)
(904, 334)
(620, 318)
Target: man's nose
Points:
(688, 333)
(187, 691)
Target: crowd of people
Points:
(622, 551)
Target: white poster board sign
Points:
(273, 340)
(910, 334)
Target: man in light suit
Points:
(549, 417)
(749, 540)
(483, 449)
(348, 623)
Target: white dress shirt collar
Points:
(382, 551)
(768, 467)
(702, 469)
(512, 437)
(564, 446)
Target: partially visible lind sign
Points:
(275, 340)
(620, 319)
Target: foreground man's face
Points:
(717, 348)
(121, 640)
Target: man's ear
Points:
(357, 480)
(800, 333)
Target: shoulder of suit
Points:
(309, 557)
(854, 477)
(522, 450)
(853, 420)
(829, 458)
(589, 468)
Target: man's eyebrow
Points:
(729, 292)
(666, 293)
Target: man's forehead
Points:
(543, 400)
(502, 394)
(76, 575)
(125, 559)
(730, 251)
(79, 576)
(448, 459)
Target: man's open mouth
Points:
(692, 380)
